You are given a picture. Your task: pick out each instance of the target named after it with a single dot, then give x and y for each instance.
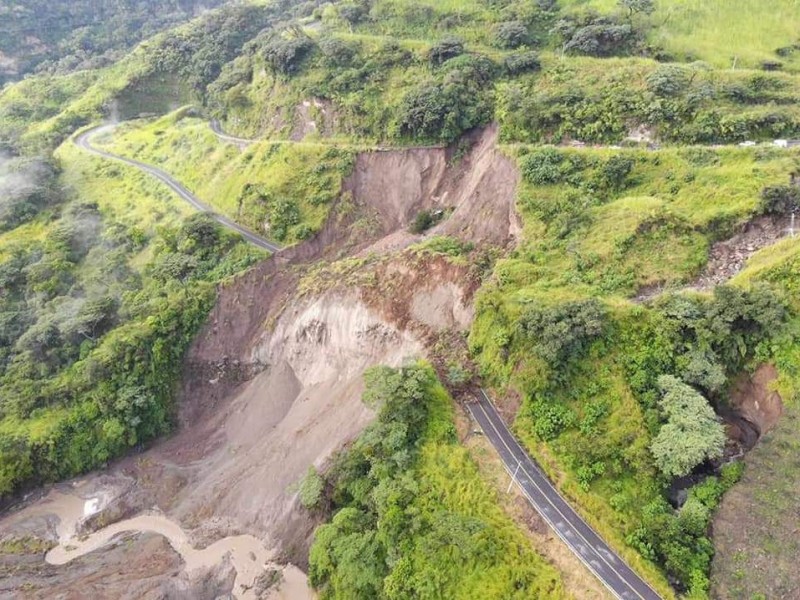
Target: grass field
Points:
(721, 31)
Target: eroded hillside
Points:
(560, 200)
(272, 383)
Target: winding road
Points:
(576, 533)
(83, 141)
(216, 127)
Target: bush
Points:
(562, 332)
(542, 167)
(522, 62)
(511, 35)
(445, 50)
(668, 80)
(613, 174)
(311, 487)
(422, 222)
(550, 418)
(286, 55)
(337, 53)
(476, 67)
(780, 199)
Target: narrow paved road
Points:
(587, 545)
(83, 141)
(216, 127)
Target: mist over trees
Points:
(59, 36)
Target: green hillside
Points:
(625, 120)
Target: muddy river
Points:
(247, 554)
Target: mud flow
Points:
(271, 387)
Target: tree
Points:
(633, 7)
(692, 433)
(562, 331)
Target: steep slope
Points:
(272, 383)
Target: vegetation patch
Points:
(412, 516)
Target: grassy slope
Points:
(603, 245)
(601, 249)
(243, 184)
(717, 31)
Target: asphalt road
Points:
(216, 127)
(83, 141)
(587, 545)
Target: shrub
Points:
(422, 222)
(613, 174)
(511, 35)
(445, 50)
(478, 67)
(559, 333)
(311, 487)
(522, 62)
(550, 418)
(668, 80)
(352, 13)
(542, 167)
(337, 53)
(286, 55)
(780, 199)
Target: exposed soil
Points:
(728, 257)
(272, 383)
(753, 398)
(478, 188)
(314, 117)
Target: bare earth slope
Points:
(272, 383)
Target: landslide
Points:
(272, 383)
